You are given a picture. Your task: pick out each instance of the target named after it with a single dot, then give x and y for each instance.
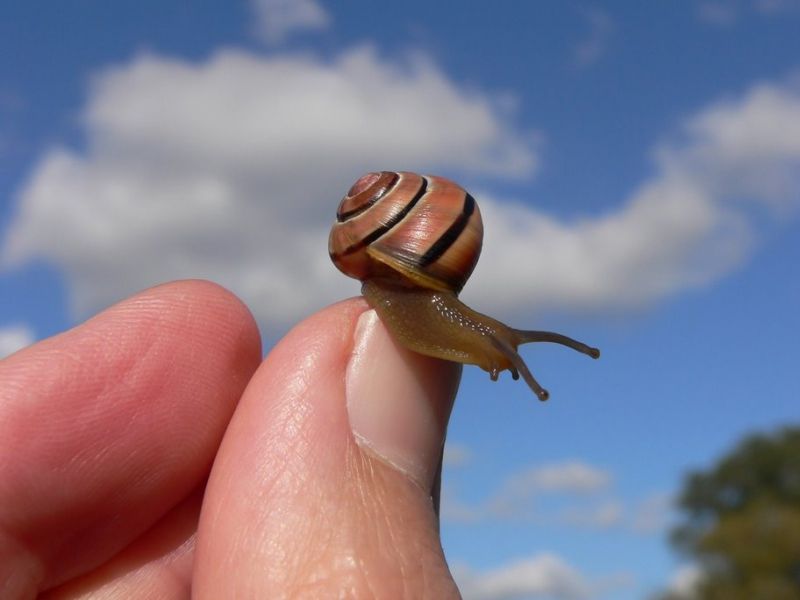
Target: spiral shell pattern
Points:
(425, 229)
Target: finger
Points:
(108, 426)
(156, 565)
(322, 487)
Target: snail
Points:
(413, 241)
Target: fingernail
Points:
(399, 401)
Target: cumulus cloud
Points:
(572, 476)
(575, 492)
(515, 499)
(598, 510)
(684, 227)
(567, 494)
(231, 169)
(276, 19)
(541, 576)
(13, 338)
(545, 576)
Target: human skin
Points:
(150, 453)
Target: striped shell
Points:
(425, 229)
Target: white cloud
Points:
(541, 576)
(684, 227)
(572, 476)
(13, 338)
(516, 498)
(567, 494)
(600, 29)
(231, 169)
(574, 486)
(276, 19)
(544, 576)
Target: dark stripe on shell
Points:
(449, 237)
(379, 231)
(383, 187)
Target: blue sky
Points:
(636, 163)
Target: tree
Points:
(742, 521)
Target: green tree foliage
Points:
(742, 521)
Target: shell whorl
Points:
(427, 229)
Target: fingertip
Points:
(197, 303)
(398, 401)
(115, 420)
(345, 366)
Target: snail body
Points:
(413, 241)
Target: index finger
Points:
(106, 427)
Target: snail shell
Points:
(427, 229)
(413, 241)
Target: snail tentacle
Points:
(527, 336)
(519, 365)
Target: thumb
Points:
(324, 483)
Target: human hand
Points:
(325, 457)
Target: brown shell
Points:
(425, 229)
